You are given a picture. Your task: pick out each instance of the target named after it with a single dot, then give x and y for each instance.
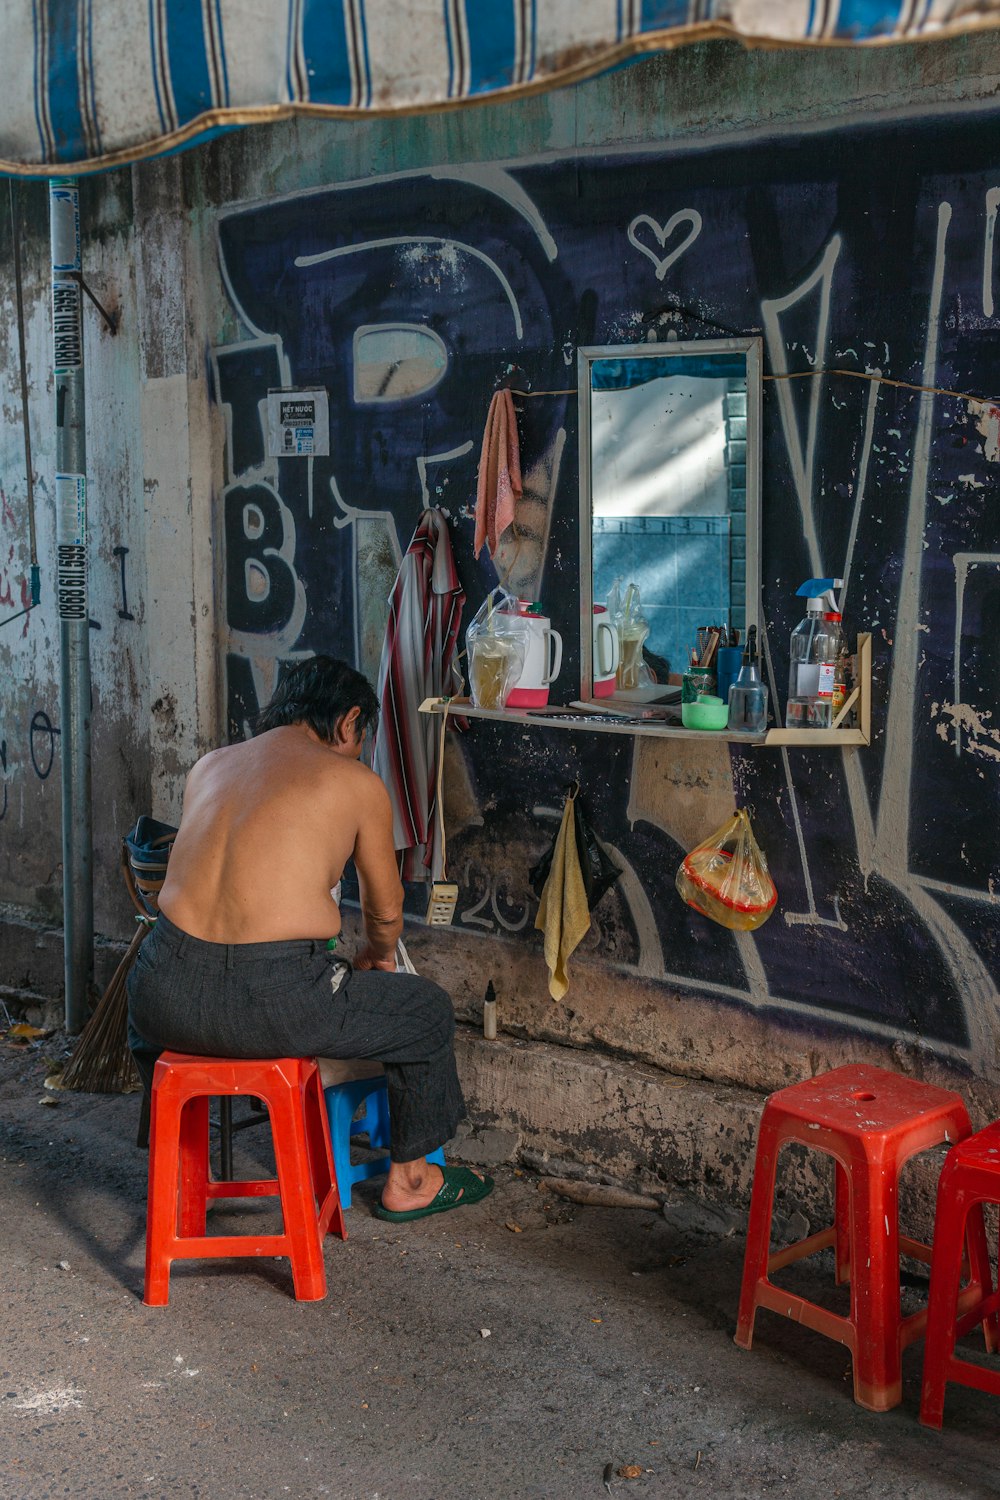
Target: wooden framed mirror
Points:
(669, 504)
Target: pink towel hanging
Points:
(499, 487)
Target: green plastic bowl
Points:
(705, 713)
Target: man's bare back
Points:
(266, 830)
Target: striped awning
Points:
(96, 83)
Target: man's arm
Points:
(378, 876)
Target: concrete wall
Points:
(151, 561)
(30, 844)
(844, 208)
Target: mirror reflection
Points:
(670, 505)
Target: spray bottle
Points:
(814, 649)
(748, 695)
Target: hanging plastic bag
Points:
(597, 868)
(496, 645)
(726, 877)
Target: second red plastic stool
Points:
(179, 1181)
(871, 1122)
(970, 1177)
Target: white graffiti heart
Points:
(664, 262)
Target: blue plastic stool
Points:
(342, 1103)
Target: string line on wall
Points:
(543, 393)
(903, 385)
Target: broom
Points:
(101, 1061)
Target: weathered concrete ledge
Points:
(677, 1030)
(550, 1106)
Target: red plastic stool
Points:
(970, 1177)
(871, 1122)
(179, 1181)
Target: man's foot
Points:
(411, 1184)
(438, 1190)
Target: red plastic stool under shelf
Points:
(179, 1181)
(871, 1122)
(970, 1177)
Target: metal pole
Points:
(74, 627)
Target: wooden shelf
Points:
(806, 737)
(597, 723)
(582, 723)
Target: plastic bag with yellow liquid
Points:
(496, 644)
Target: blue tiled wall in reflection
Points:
(681, 564)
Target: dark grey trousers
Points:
(297, 999)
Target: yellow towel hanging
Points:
(563, 915)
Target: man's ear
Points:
(347, 729)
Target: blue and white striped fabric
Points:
(91, 83)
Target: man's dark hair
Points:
(319, 692)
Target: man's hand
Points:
(366, 959)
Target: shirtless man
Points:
(242, 961)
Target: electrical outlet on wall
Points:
(442, 904)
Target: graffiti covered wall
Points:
(869, 252)
(408, 267)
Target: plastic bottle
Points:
(490, 1013)
(833, 651)
(633, 629)
(833, 621)
(814, 648)
(842, 683)
(748, 695)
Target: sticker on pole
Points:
(64, 222)
(71, 510)
(298, 424)
(66, 327)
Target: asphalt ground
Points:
(516, 1348)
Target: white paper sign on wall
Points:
(298, 424)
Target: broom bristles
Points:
(101, 1061)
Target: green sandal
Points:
(459, 1186)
